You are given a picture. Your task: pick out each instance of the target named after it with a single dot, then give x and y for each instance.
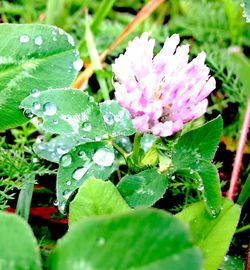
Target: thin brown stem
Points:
(239, 154)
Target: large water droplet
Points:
(86, 126)
(68, 183)
(49, 109)
(28, 113)
(36, 106)
(24, 39)
(104, 157)
(78, 64)
(108, 118)
(38, 40)
(35, 92)
(65, 160)
(79, 173)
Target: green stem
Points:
(120, 150)
(136, 147)
(242, 229)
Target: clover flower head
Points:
(165, 91)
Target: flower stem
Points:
(239, 154)
(136, 147)
(120, 150)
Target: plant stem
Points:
(242, 229)
(136, 147)
(120, 150)
(239, 154)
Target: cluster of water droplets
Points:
(25, 39)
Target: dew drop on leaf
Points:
(24, 39)
(86, 126)
(66, 194)
(65, 160)
(79, 173)
(28, 113)
(35, 92)
(104, 157)
(108, 118)
(36, 106)
(38, 40)
(78, 64)
(68, 183)
(49, 109)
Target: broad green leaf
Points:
(212, 235)
(82, 162)
(197, 144)
(66, 111)
(19, 249)
(245, 193)
(117, 119)
(32, 57)
(143, 189)
(246, 13)
(95, 198)
(210, 186)
(54, 148)
(146, 240)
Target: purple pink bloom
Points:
(165, 91)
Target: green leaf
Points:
(144, 188)
(197, 144)
(212, 235)
(32, 57)
(245, 193)
(95, 198)
(54, 148)
(241, 69)
(67, 111)
(117, 119)
(232, 263)
(210, 186)
(19, 249)
(146, 240)
(82, 162)
(246, 12)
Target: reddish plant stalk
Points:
(247, 267)
(239, 154)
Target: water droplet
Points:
(101, 241)
(61, 32)
(173, 177)
(61, 150)
(68, 183)
(53, 33)
(35, 160)
(104, 157)
(38, 40)
(225, 258)
(70, 40)
(28, 113)
(86, 126)
(35, 92)
(65, 160)
(191, 171)
(108, 118)
(79, 173)
(200, 187)
(78, 64)
(66, 194)
(24, 39)
(56, 203)
(36, 106)
(55, 121)
(49, 109)
(62, 206)
(54, 39)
